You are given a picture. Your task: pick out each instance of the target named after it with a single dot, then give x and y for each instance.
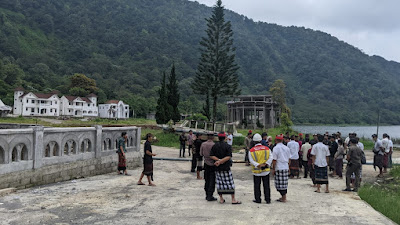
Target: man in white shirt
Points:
(229, 138)
(260, 157)
(379, 151)
(294, 157)
(385, 144)
(320, 156)
(390, 152)
(281, 160)
(304, 149)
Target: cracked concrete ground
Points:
(178, 198)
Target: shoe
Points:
(258, 202)
(346, 189)
(192, 171)
(355, 190)
(269, 202)
(211, 199)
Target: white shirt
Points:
(360, 145)
(385, 144)
(294, 149)
(255, 164)
(390, 144)
(304, 148)
(281, 155)
(377, 146)
(320, 151)
(230, 140)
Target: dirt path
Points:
(179, 199)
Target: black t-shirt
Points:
(197, 145)
(147, 158)
(221, 150)
(333, 148)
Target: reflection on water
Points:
(361, 131)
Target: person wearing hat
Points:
(221, 153)
(280, 167)
(261, 159)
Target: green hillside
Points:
(125, 45)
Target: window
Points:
(26, 109)
(51, 110)
(27, 101)
(51, 103)
(69, 103)
(55, 102)
(33, 101)
(33, 110)
(55, 110)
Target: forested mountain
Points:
(125, 45)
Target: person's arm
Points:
(271, 157)
(254, 163)
(201, 149)
(273, 167)
(313, 160)
(348, 156)
(149, 153)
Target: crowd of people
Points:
(319, 157)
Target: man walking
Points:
(281, 160)
(294, 157)
(354, 156)
(209, 168)
(320, 156)
(261, 160)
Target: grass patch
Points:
(384, 197)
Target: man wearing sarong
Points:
(209, 168)
(379, 151)
(354, 156)
(320, 155)
(122, 154)
(304, 158)
(385, 144)
(390, 152)
(221, 153)
(197, 160)
(294, 157)
(147, 161)
(280, 165)
(261, 159)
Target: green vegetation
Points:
(384, 197)
(125, 45)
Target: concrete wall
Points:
(38, 155)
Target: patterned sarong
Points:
(148, 169)
(224, 182)
(294, 167)
(378, 161)
(199, 163)
(281, 179)
(121, 161)
(385, 161)
(321, 175)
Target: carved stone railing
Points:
(36, 147)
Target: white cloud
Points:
(370, 25)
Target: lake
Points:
(361, 131)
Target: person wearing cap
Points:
(280, 167)
(221, 153)
(261, 159)
(385, 144)
(379, 151)
(209, 167)
(294, 157)
(320, 156)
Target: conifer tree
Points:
(206, 107)
(162, 109)
(217, 70)
(173, 96)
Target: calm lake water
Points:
(361, 131)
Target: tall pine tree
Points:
(173, 96)
(216, 73)
(163, 109)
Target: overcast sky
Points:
(371, 25)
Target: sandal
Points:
(141, 183)
(236, 203)
(317, 191)
(280, 200)
(153, 185)
(222, 202)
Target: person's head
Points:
(221, 136)
(264, 136)
(210, 137)
(287, 134)
(286, 139)
(338, 134)
(197, 136)
(123, 134)
(257, 138)
(300, 135)
(385, 135)
(307, 135)
(320, 138)
(340, 142)
(307, 140)
(249, 135)
(326, 137)
(374, 137)
(190, 132)
(250, 132)
(149, 137)
(269, 139)
(278, 139)
(332, 138)
(292, 137)
(183, 133)
(315, 136)
(353, 141)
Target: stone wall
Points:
(38, 155)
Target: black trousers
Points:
(182, 148)
(257, 190)
(209, 177)
(349, 171)
(190, 149)
(305, 165)
(194, 162)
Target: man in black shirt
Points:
(333, 147)
(221, 153)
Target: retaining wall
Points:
(38, 155)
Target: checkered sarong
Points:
(281, 179)
(224, 182)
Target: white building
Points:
(4, 109)
(114, 109)
(39, 104)
(79, 106)
(35, 104)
